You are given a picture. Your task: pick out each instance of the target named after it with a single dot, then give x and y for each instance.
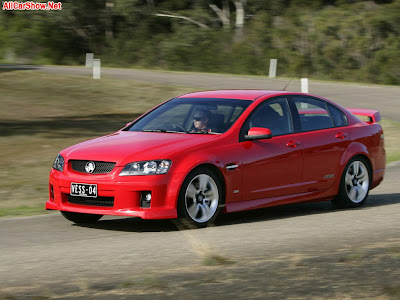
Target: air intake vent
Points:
(99, 201)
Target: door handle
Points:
(293, 144)
(341, 135)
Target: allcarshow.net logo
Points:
(30, 5)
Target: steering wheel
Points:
(175, 126)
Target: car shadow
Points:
(132, 224)
(301, 209)
(89, 125)
(250, 216)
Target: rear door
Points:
(325, 137)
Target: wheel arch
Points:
(369, 166)
(213, 169)
(342, 199)
(216, 171)
(354, 149)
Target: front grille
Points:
(99, 201)
(101, 167)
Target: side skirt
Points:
(319, 196)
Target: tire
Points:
(354, 184)
(80, 218)
(201, 197)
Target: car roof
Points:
(235, 94)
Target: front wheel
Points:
(201, 197)
(80, 217)
(354, 184)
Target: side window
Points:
(339, 118)
(313, 114)
(272, 114)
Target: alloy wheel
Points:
(357, 181)
(201, 198)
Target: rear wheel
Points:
(354, 184)
(201, 197)
(80, 217)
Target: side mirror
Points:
(258, 133)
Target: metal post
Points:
(96, 68)
(304, 85)
(272, 67)
(89, 60)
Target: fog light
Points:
(145, 199)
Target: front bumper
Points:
(125, 191)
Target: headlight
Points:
(151, 167)
(59, 163)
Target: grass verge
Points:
(392, 139)
(43, 113)
(23, 211)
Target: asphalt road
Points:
(48, 254)
(307, 251)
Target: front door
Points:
(272, 167)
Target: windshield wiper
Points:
(154, 130)
(174, 131)
(202, 132)
(161, 130)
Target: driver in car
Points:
(200, 121)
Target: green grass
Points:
(391, 130)
(214, 260)
(23, 211)
(147, 281)
(352, 257)
(42, 114)
(392, 291)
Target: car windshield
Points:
(192, 115)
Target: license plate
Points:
(83, 190)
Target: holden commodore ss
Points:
(212, 152)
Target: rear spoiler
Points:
(373, 115)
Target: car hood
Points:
(127, 146)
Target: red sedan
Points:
(203, 153)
